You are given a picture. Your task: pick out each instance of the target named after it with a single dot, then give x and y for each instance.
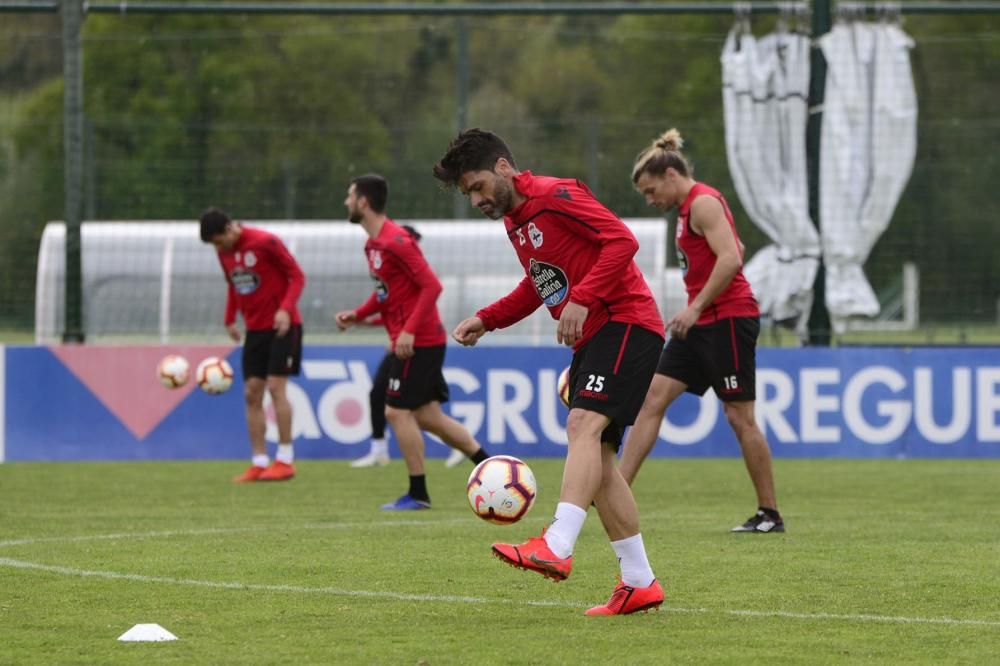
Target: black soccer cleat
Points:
(762, 523)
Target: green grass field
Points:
(884, 561)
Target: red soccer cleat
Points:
(253, 473)
(625, 600)
(278, 471)
(535, 555)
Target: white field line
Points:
(402, 596)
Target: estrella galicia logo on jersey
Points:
(550, 281)
(682, 261)
(381, 290)
(244, 282)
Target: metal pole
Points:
(819, 317)
(461, 208)
(72, 20)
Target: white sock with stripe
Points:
(565, 528)
(631, 553)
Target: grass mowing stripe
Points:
(399, 596)
(113, 575)
(222, 530)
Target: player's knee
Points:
(739, 415)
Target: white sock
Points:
(631, 553)
(285, 454)
(565, 528)
(260, 460)
(380, 447)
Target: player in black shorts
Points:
(577, 258)
(713, 340)
(265, 282)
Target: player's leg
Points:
(644, 432)
(254, 366)
(413, 383)
(433, 419)
(757, 458)
(728, 351)
(638, 588)
(253, 399)
(609, 378)
(378, 453)
(284, 359)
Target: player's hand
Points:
(682, 322)
(282, 322)
(345, 319)
(469, 331)
(234, 332)
(570, 328)
(404, 345)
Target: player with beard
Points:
(578, 261)
(405, 297)
(714, 339)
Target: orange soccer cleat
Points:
(252, 473)
(278, 471)
(626, 599)
(535, 555)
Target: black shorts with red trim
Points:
(722, 355)
(265, 353)
(611, 374)
(418, 380)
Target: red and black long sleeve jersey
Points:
(406, 289)
(263, 278)
(572, 248)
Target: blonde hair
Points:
(663, 153)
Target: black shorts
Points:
(418, 380)
(722, 355)
(611, 374)
(265, 353)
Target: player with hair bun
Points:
(713, 340)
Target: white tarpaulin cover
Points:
(765, 97)
(869, 140)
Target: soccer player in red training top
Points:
(406, 292)
(378, 453)
(264, 285)
(714, 339)
(577, 259)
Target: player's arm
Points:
(708, 218)
(428, 289)
(348, 318)
(229, 318)
(512, 308)
(296, 283)
(586, 216)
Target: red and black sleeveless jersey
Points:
(697, 261)
(572, 248)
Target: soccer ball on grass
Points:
(214, 375)
(173, 370)
(502, 490)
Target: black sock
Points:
(770, 513)
(479, 456)
(418, 488)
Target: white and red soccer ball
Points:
(173, 371)
(502, 490)
(214, 375)
(562, 385)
